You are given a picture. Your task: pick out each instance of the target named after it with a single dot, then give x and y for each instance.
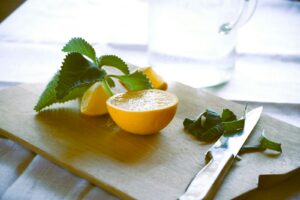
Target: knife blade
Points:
(219, 158)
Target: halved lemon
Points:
(156, 80)
(93, 101)
(142, 112)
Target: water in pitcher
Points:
(185, 43)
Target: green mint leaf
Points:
(190, 124)
(249, 149)
(212, 118)
(48, 97)
(107, 87)
(76, 72)
(204, 121)
(134, 81)
(209, 125)
(110, 82)
(79, 45)
(114, 61)
(75, 93)
(212, 133)
(269, 144)
(265, 143)
(206, 127)
(228, 115)
(233, 127)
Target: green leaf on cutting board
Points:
(269, 144)
(228, 115)
(233, 127)
(48, 97)
(209, 125)
(264, 144)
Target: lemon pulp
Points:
(143, 100)
(142, 112)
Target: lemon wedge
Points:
(156, 80)
(93, 101)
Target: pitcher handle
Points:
(242, 17)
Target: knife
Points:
(219, 159)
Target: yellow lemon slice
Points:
(142, 112)
(93, 101)
(156, 80)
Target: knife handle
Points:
(207, 180)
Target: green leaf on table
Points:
(114, 61)
(204, 121)
(228, 115)
(79, 45)
(264, 143)
(190, 124)
(211, 118)
(48, 97)
(76, 72)
(269, 144)
(206, 127)
(135, 81)
(209, 125)
(249, 149)
(212, 133)
(233, 127)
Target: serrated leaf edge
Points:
(94, 59)
(75, 86)
(120, 59)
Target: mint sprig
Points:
(209, 125)
(80, 69)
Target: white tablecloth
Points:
(267, 73)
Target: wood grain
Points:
(138, 167)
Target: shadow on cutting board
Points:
(282, 186)
(99, 136)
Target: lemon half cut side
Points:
(142, 112)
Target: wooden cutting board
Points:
(139, 167)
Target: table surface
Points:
(267, 73)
